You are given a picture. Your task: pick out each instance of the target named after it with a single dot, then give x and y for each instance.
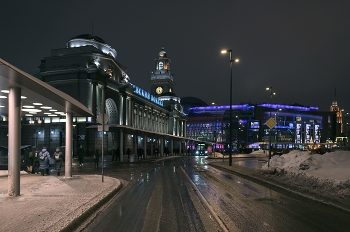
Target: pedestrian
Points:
(59, 158)
(96, 158)
(128, 152)
(113, 154)
(81, 154)
(43, 158)
(29, 159)
(117, 154)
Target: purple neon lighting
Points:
(219, 107)
(277, 106)
(241, 106)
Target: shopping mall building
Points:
(295, 125)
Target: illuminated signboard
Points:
(317, 134)
(254, 124)
(307, 133)
(147, 95)
(298, 133)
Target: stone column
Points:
(14, 141)
(69, 146)
(121, 145)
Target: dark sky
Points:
(300, 48)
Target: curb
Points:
(280, 188)
(73, 225)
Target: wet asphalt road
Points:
(160, 197)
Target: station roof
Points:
(39, 99)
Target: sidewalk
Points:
(51, 203)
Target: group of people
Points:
(40, 163)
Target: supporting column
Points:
(172, 146)
(145, 146)
(161, 145)
(135, 145)
(121, 145)
(69, 146)
(152, 146)
(14, 141)
(180, 147)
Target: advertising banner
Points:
(307, 133)
(298, 133)
(317, 134)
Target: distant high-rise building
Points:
(339, 114)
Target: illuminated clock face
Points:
(161, 65)
(159, 90)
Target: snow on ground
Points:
(327, 175)
(332, 165)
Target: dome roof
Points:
(97, 42)
(89, 37)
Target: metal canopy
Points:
(34, 90)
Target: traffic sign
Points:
(102, 118)
(99, 128)
(271, 123)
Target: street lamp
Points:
(230, 134)
(271, 94)
(215, 132)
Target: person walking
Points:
(81, 154)
(29, 159)
(96, 158)
(43, 158)
(128, 152)
(59, 158)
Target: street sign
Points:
(99, 128)
(102, 118)
(271, 123)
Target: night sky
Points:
(300, 48)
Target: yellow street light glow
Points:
(236, 60)
(223, 51)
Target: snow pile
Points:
(327, 175)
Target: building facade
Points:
(87, 69)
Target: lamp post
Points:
(230, 134)
(271, 94)
(215, 131)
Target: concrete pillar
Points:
(69, 146)
(135, 145)
(172, 146)
(145, 146)
(162, 145)
(180, 147)
(121, 145)
(152, 146)
(14, 141)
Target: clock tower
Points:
(161, 79)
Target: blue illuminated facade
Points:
(296, 124)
